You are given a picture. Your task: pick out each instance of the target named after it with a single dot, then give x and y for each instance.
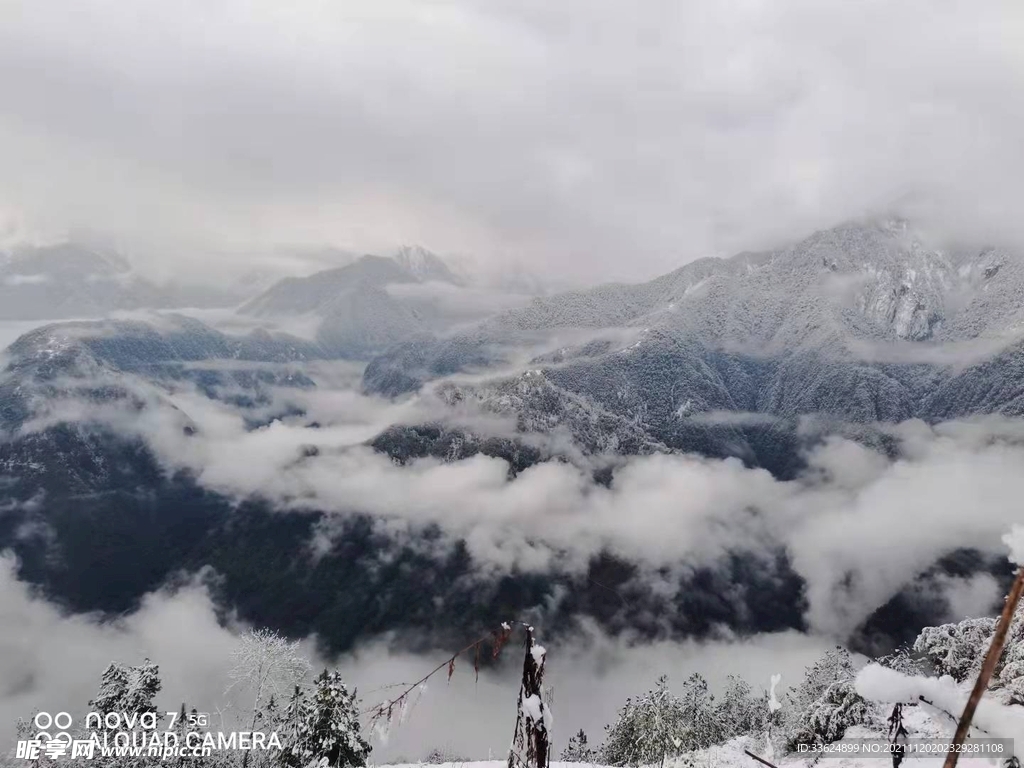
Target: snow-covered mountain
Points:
(69, 280)
(363, 308)
(760, 357)
(352, 309)
(126, 364)
(859, 281)
(863, 322)
(76, 280)
(425, 265)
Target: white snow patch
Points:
(533, 707)
(774, 705)
(538, 652)
(684, 410)
(880, 684)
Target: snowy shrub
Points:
(839, 707)
(956, 649)
(902, 660)
(826, 702)
(648, 729)
(445, 754)
(578, 750)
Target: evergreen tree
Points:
(740, 712)
(578, 750)
(956, 649)
(323, 729)
(839, 707)
(290, 728)
(648, 729)
(703, 728)
(127, 690)
(1010, 672)
(826, 703)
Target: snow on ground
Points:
(731, 755)
(918, 721)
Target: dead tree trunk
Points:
(532, 718)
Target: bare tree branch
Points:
(496, 638)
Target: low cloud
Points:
(458, 303)
(53, 662)
(858, 527)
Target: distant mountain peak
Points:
(425, 265)
(70, 255)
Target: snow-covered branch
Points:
(880, 684)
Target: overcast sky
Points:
(580, 136)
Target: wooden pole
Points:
(988, 666)
(759, 759)
(529, 734)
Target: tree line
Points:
(320, 722)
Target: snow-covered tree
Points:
(956, 649)
(1010, 672)
(127, 690)
(739, 711)
(322, 729)
(578, 750)
(1011, 679)
(703, 727)
(902, 660)
(652, 727)
(826, 702)
(839, 707)
(774, 717)
(267, 665)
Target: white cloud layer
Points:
(52, 662)
(587, 138)
(858, 527)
